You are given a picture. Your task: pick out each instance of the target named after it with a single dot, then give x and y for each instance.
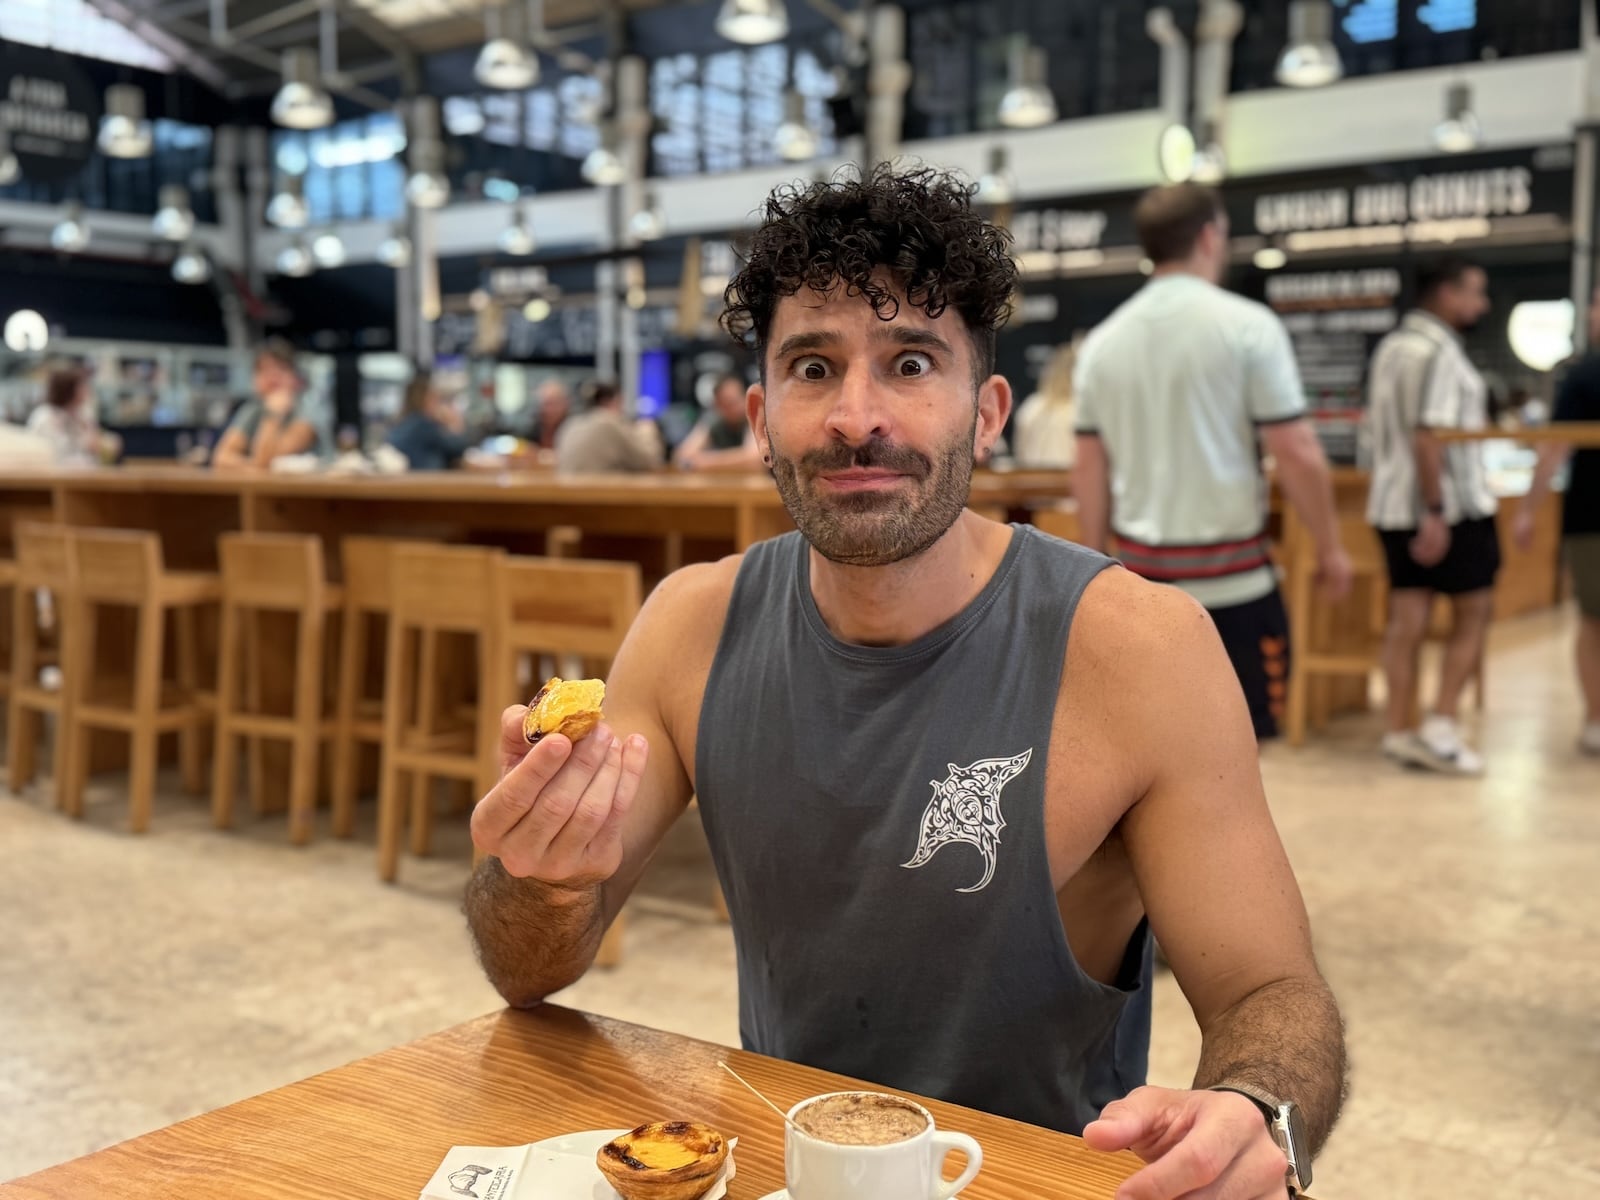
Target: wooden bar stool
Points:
(358, 719)
(44, 562)
(272, 573)
(564, 608)
(8, 586)
(121, 568)
(437, 590)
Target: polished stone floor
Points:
(143, 980)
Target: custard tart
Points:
(668, 1160)
(570, 707)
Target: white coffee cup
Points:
(912, 1169)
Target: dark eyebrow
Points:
(795, 343)
(905, 335)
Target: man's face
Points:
(872, 426)
(728, 400)
(1214, 241)
(1467, 299)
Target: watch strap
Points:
(1263, 1099)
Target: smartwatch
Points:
(1286, 1127)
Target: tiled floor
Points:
(143, 980)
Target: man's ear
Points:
(755, 406)
(994, 409)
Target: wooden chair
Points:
(8, 585)
(358, 719)
(1059, 521)
(123, 568)
(564, 608)
(44, 562)
(437, 590)
(264, 573)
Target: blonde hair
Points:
(1055, 383)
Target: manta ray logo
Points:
(966, 808)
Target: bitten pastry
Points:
(671, 1160)
(570, 707)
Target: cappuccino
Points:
(861, 1119)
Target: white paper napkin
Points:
(537, 1172)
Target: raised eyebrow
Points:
(906, 336)
(797, 343)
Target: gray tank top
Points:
(876, 815)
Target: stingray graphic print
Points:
(966, 808)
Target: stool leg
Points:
(80, 644)
(397, 687)
(255, 749)
(22, 722)
(307, 722)
(427, 723)
(146, 702)
(352, 670)
(191, 745)
(224, 756)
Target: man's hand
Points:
(1432, 542)
(1334, 574)
(280, 402)
(1198, 1146)
(556, 814)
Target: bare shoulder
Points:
(693, 600)
(1128, 625)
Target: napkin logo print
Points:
(463, 1181)
(966, 808)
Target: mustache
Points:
(876, 454)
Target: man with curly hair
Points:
(953, 773)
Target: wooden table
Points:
(379, 1127)
(1580, 435)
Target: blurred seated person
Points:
(1042, 433)
(20, 448)
(722, 441)
(604, 438)
(431, 432)
(555, 406)
(274, 422)
(66, 420)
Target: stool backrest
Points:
(44, 556)
(570, 606)
(117, 566)
(271, 570)
(364, 563)
(452, 589)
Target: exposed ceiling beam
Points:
(394, 43)
(174, 48)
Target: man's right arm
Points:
(570, 828)
(1302, 471)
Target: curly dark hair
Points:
(919, 224)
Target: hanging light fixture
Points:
(516, 238)
(536, 310)
(753, 22)
(327, 248)
(795, 140)
(1210, 165)
(191, 266)
(1310, 59)
(174, 219)
(1459, 131)
(302, 102)
(428, 186)
(124, 132)
(295, 260)
(603, 167)
(997, 186)
(10, 168)
(649, 223)
(71, 234)
(506, 63)
(287, 208)
(1270, 258)
(395, 250)
(1028, 102)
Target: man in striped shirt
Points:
(1179, 391)
(1431, 505)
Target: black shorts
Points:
(1256, 636)
(1470, 564)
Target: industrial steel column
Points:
(633, 129)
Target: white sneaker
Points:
(1405, 749)
(1589, 742)
(1445, 749)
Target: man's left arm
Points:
(1224, 905)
